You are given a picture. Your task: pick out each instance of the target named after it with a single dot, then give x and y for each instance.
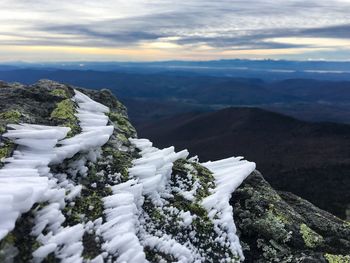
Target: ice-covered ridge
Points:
(66, 242)
(229, 174)
(131, 226)
(122, 216)
(93, 122)
(155, 166)
(25, 178)
(88, 104)
(153, 171)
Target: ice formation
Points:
(153, 170)
(126, 228)
(93, 121)
(155, 166)
(122, 214)
(229, 174)
(26, 178)
(151, 173)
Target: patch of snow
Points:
(94, 134)
(155, 166)
(153, 171)
(26, 178)
(119, 232)
(169, 246)
(229, 174)
(44, 251)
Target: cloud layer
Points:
(186, 26)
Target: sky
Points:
(154, 30)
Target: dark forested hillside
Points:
(164, 94)
(309, 159)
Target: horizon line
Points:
(171, 60)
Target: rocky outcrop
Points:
(281, 227)
(126, 201)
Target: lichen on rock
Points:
(311, 238)
(60, 93)
(64, 115)
(281, 227)
(337, 258)
(6, 146)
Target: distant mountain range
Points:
(164, 94)
(309, 159)
(264, 69)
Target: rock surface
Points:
(272, 226)
(282, 227)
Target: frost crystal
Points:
(165, 203)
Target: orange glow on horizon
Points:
(148, 52)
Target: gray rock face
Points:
(281, 227)
(272, 226)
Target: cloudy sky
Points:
(138, 30)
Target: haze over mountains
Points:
(163, 89)
(264, 69)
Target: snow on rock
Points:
(95, 133)
(123, 209)
(122, 213)
(66, 242)
(153, 171)
(229, 174)
(167, 245)
(155, 166)
(24, 180)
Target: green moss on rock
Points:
(92, 248)
(60, 93)
(63, 114)
(123, 139)
(6, 146)
(122, 124)
(118, 162)
(64, 110)
(89, 205)
(206, 180)
(270, 220)
(7, 247)
(11, 116)
(6, 150)
(337, 258)
(157, 256)
(20, 239)
(198, 173)
(311, 238)
(201, 233)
